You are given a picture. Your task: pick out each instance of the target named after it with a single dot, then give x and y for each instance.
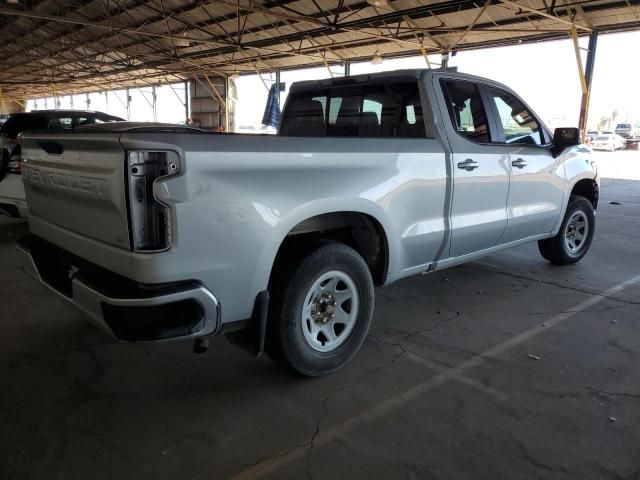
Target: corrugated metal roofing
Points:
(56, 47)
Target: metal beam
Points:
(87, 23)
(543, 13)
(576, 49)
(472, 24)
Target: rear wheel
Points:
(321, 310)
(575, 235)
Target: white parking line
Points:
(458, 377)
(398, 401)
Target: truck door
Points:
(480, 169)
(537, 180)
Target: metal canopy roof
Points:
(52, 47)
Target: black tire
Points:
(555, 249)
(286, 341)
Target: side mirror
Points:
(564, 138)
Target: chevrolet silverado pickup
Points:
(161, 232)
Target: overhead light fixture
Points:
(378, 3)
(235, 75)
(376, 59)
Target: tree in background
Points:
(601, 124)
(612, 119)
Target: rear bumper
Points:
(13, 208)
(128, 310)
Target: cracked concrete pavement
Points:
(430, 395)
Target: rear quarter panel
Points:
(238, 196)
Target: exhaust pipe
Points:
(201, 345)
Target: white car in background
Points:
(610, 142)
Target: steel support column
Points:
(588, 76)
(278, 89)
(128, 104)
(186, 102)
(444, 63)
(154, 106)
(585, 77)
(347, 68)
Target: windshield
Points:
(621, 126)
(603, 138)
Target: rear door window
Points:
(466, 110)
(378, 110)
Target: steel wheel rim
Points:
(330, 311)
(576, 233)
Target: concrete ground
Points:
(506, 368)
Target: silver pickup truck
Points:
(163, 232)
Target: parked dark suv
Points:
(12, 197)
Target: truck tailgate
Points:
(77, 182)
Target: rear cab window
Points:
(385, 110)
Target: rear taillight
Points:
(150, 219)
(14, 165)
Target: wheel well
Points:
(588, 189)
(361, 232)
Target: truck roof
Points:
(398, 74)
(60, 111)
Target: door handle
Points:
(520, 163)
(468, 165)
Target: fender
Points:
(311, 209)
(578, 165)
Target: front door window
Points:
(518, 123)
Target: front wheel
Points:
(575, 235)
(321, 310)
